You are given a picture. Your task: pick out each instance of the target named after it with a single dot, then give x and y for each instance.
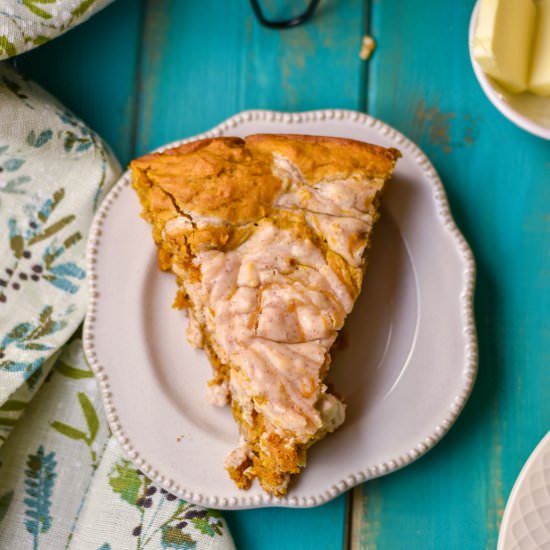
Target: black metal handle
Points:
(285, 23)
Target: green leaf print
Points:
(40, 39)
(203, 526)
(72, 372)
(31, 6)
(7, 46)
(45, 315)
(17, 245)
(72, 239)
(39, 141)
(19, 332)
(57, 197)
(13, 405)
(19, 345)
(82, 8)
(89, 413)
(172, 537)
(13, 408)
(37, 347)
(125, 481)
(82, 143)
(52, 229)
(5, 501)
(92, 422)
(68, 431)
(46, 323)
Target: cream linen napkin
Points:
(64, 482)
(26, 24)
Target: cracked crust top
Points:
(231, 178)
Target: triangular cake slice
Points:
(267, 238)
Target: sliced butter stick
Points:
(503, 41)
(540, 69)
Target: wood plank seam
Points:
(364, 66)
(354, 512)
(138, 82)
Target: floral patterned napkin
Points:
(25, 24)
(64, 482)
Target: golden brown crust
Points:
(231, 178)
(321, 156)
(214, 177)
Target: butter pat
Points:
(540, 69)
(503, 41)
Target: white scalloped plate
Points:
(526, 520)
(406, 371)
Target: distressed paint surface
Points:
(165, 69)
(421, 81)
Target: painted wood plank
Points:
(320, 528)
(92, 71)
(498, 181)
(205, 61)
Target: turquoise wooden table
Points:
(143, 73)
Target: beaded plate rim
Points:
(469, 371)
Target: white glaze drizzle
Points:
(274, 305)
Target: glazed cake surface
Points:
(267, 237)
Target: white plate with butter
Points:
(527, 110)
(405, 368)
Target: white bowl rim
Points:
(518, 119)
